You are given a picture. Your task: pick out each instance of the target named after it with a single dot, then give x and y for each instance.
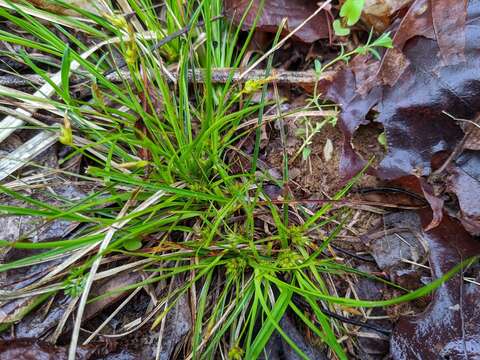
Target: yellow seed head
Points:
(66, 137)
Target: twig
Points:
(351, 254)
(122, 64)
(219, 76)
(303, 304)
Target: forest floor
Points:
(239, 179)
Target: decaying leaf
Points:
(41, 323)
(378, 13)
(398, 241)
(464, 182)
(274, 11)
(411, 111)
(28, 349)
(448, 329)
(416, 85)
(88, 5)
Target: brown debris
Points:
(274, 11)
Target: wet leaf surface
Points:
(35, 229)
(29, 349)
(296, 11)
(177, 326)
(411, 110)
(433, 71)
(464, 182)
(398, 241)
(448, 329)
(415, 126)
(372, 345)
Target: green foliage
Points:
(382, 139)
(350, 13)
(162, 155)
(132, 244)
(339, 29)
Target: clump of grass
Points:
(163, 152)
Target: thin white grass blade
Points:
(93, 270)
(45, 15)
(26, 152)
(47, 90)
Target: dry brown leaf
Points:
(88, 5)
(378, 13)
(274, 11)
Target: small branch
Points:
(219, 76)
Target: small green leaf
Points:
(332, 120)
(300, 131)
(362, 50)
(375, 53)
(384, 41)
(318, 67)
(65, 72)
(132, 244)
(339, 29)
(306, 153)
(382, 139)
(351, 10)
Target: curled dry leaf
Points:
(274, 11)
(328, 150)
(448, 329)
(378, 13)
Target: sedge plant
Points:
(160, 146)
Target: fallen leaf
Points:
(378, 13)
(432, 20)
(413, 89)
(341, 88)
(328, 150)
(416, 22)
(449, 20)
(435, 202)
(30, 349)
(398, 241)
(178, 324)
(415, 126)
(112, 286)
(274, 11)
(464, 182)
(88, 5)
(448, 328)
